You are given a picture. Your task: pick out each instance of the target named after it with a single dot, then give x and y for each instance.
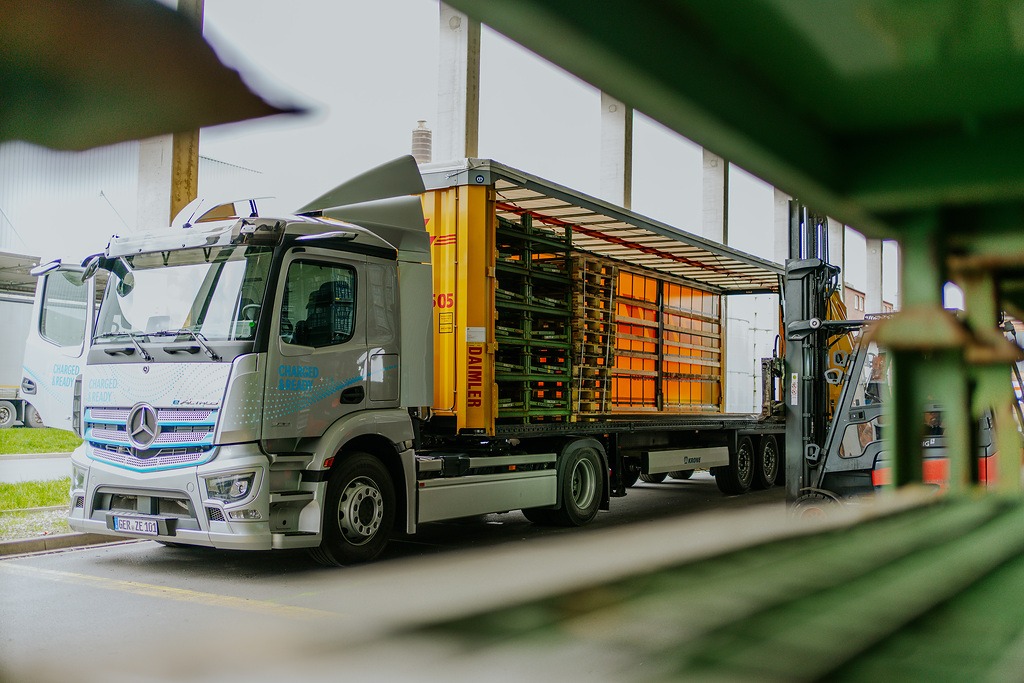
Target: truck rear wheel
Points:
(681, 474)
(766, 465)
(358, 513)
(7, 414)
(654, 478)
(736, 478)
(582, 485)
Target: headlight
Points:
(231, 487)
(78, 475)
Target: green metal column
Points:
(927, 346)
(990, 357)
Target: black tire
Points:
(582, 485)
(737, 477)
(681, 474)
(654, 478)
(32, 418)
(630, 473)
(766, 464)
(8, 415)
(359, 512)
(780, 476)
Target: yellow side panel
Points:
(476, 391)
(439, 208)
(460, 222)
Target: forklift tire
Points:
(766, 465)
(653, 478)
(582, 485)
(681, 474)
(359, 512)
(738, 475)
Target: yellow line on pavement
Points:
(169, 593)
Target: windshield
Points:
(213, 292)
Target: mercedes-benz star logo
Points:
(143, 427)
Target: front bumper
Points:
(175, 499)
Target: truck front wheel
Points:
(359, 512)
(32, 418)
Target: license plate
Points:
(134, 525)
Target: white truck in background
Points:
(48, 314)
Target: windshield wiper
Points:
(200, 339)
(131, 335)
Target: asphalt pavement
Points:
(34, 467)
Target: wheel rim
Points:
(5, 414)
(584, 483)
(770, 460)
(745, 462)
(360, 511)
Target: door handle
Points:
(352, 395)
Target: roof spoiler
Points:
(383, 200)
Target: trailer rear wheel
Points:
(654, 478)
(736, 478)
(7, 414)
(766, 465)
(582, 485)
(681, 474)
(358, 513)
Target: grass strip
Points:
(47, 440)
(34, 494)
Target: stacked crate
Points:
(532, 361)
(593, 334)
(643, 342)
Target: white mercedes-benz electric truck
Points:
(411, 347)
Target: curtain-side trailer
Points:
(418, 344)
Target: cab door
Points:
(63, 317)
(317, 353)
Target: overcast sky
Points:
(367, 72)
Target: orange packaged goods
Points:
(665, 346)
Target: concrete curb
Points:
(54, 542)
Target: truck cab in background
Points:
(63, 320)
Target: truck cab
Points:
(233, 356)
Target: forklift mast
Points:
(810, 282)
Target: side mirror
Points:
(126, 284)
(90, 266)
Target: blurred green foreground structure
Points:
(905, 120)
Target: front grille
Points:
(185, 438)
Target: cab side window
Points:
(319, 306)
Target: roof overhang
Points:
(607, 230)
